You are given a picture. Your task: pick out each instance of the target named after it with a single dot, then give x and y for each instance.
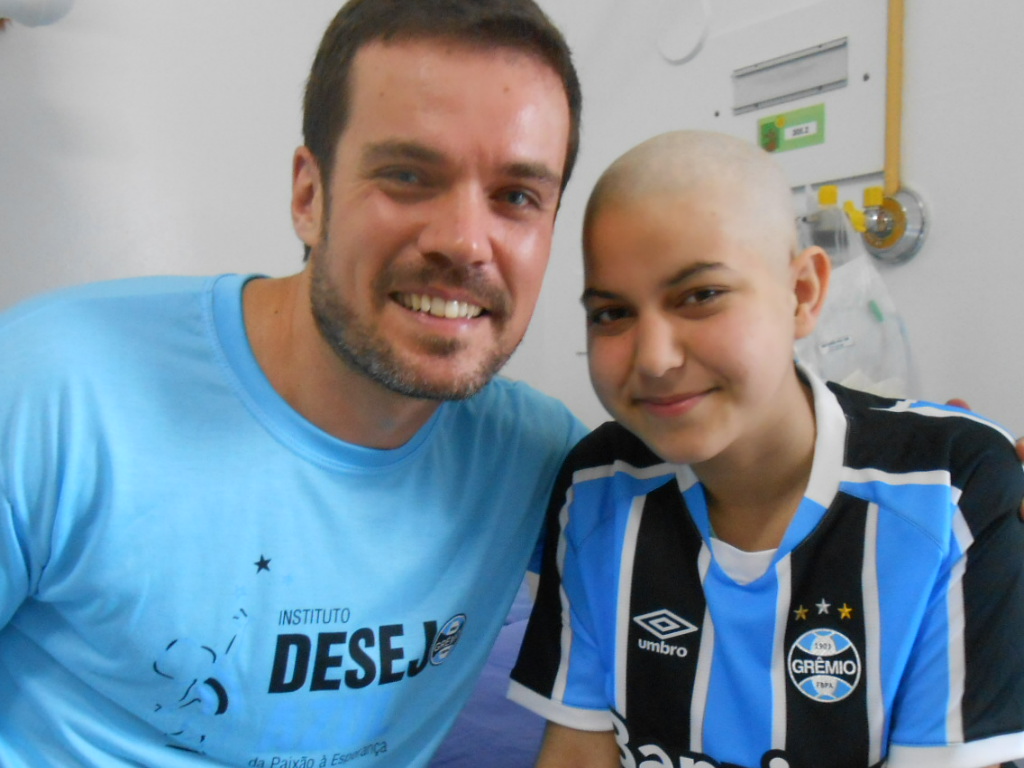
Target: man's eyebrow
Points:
(679, 277)
(390, 150)
(535, 172)
(396, 149)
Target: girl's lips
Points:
(668, 406)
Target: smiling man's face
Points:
(440, 214)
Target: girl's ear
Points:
(811, 270)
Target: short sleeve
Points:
(559, 673)
(962, 698)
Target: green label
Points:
(793, 130)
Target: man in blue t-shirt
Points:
(266, 522)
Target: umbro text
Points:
(662, 647)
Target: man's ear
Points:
(811, 271)
(307, 197)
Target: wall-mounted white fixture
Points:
(685, 29)
(894, 223)
(795, 75)
(893, 226)
(34, 13)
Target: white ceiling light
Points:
(34, 13)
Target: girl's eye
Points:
(702, 295)
(605, 315)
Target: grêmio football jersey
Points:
(888, 627)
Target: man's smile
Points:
(438, 307)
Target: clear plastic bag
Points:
(860, 340)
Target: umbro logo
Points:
(664, 624)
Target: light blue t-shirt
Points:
(194, 575)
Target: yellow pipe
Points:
(894, 98)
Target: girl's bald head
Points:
(680, 164)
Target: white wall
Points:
(960, 297)
(143, 138)
(150, 137)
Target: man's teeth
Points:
(438, 307)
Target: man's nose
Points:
(459, 227)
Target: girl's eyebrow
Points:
(679, 277)
(694, 269)
(596, 293)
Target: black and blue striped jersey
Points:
(888, 628)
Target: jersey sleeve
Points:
(961, 701)
(577, 431)
(559, 673)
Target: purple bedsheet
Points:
(492, 731)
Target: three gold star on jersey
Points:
(823, 609)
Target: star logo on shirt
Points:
(846, 612)
(263, 564)
(800, 614)
(823, 607)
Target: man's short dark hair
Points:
(517, 24)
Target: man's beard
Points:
(363, 350)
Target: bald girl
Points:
(694, 294)
(725, 559)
